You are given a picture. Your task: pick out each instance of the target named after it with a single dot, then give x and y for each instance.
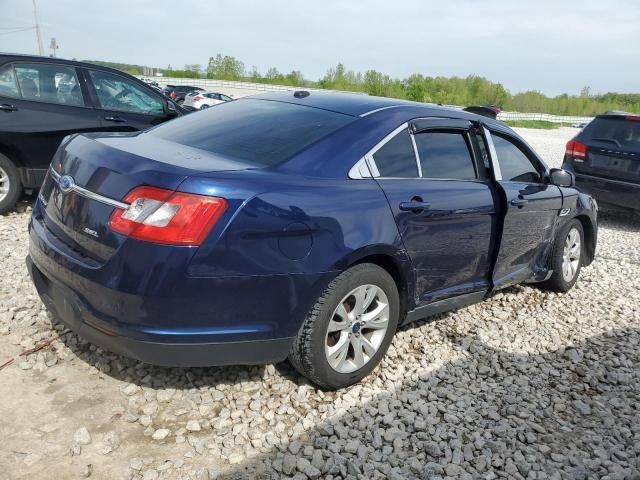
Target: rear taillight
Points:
(197, 97)
(172, 95)
(162, 216)
(633, 117)
(576, 150)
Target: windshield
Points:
(259, 131)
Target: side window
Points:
(484, 151)
(396, 158)
(51, 83)
(8, 84)
(514, 163)
(445, 155)
(118, 93)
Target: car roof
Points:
(20, 57)
(362, 105)
(354, 104)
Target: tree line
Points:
(471, 90)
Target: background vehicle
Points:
(178, 92)
(44, 99)
(306, 226)
(200, 100)
(605, 157)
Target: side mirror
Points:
(170, 108)
(561, 178)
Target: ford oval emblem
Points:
(66, 183)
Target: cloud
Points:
(545, 45)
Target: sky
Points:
(553, 46)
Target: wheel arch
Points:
(396, 263)
(589, 230)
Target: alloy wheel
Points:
(571, 255)
(357, 328)
(4, 184)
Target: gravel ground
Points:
(526, 385)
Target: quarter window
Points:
(515, 165)
(445, 155)
(118, 93)
(396, 158)
(51, 83)
(8, 84)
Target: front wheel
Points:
(349, 329)
(204, 106)
(566, 260)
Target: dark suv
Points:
(178, 92)
(605, 158)
(44, 99)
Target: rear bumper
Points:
(612, 192)
(67, 306)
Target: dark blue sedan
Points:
(300, 225)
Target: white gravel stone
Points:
(527, 385)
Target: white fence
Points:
(242, 89)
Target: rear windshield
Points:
(616, 132)
(258, 131)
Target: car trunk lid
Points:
(93, 173)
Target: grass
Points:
(543, 124)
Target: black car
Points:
(178, 92)
(44, 99)
(605, 158)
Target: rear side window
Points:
(616, 132)
(8, 84)
(258, 131)
(445, 155)
(51, 83)
(396, 158)
(515, 165)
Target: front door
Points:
(443, 206)
(124, 105)
(531, 207)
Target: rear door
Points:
(531, 206)
(123, 104)
(41, 103)
(442, 203)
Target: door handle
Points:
(114, 119)
(5, 107)
(415, 206)
(519, 202)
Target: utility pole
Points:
(35, 16)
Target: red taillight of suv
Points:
(576, 150)
(172, 95)
(162, 216)
(197, 97)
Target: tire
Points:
(559, 280)
(340, 306)
(204, 106)
(10, 185)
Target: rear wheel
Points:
(10, 184)
(566, 259)
(349, 329)
(204, 106)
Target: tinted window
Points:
(225, 97)
(45, 82)
(514, 164)
(484, 152)
(258, 131)
(8, 84)
(614, 132)
(445, 155)
(396, 158)
(119, 93)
